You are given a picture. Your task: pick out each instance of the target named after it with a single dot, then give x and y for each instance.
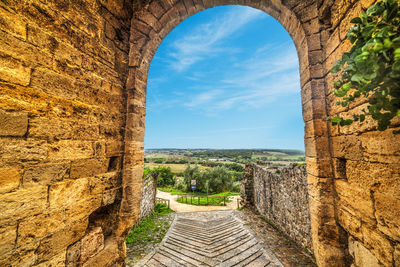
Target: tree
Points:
(219, 179)
(193, 173)
(165, 177)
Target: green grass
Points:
(171, 190)
(212, 201)
(157, 156)
(200, 199)
(175, 167)
(151, 229)
(277, 156)
(174, 191)
(203, 196)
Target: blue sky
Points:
(226, 77)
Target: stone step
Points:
(209, 239)
(188, 256)
(236, 249)
(241, 256)
(254, 260)
(232, 238)
(186, 246)
(204, 229)
(210, 234)
(233, 244)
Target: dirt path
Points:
(180, 207)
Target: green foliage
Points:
(151, 229)
(176, 161)
(372, 67)
(146, 172)
(162, 209)
(219, 179)
(236, 186)
(230, 165)
(159, 161)
(192, 173)
(164, 175)
(224, 153)
(237, 176)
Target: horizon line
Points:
(162, 148)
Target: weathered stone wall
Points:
(281, 197)
(247, 185)
(63, 68)
(365, 163)
(149, 192)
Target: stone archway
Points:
(67, 94)
(150, 26)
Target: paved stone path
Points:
(212, 238)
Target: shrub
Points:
(219, 179)
(165, 177)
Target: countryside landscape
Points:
(189, 181)
(179, 166)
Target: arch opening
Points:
(150, 27)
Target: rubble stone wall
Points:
(282, 197)
(149, 192)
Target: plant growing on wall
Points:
(372, 67)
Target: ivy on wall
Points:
(372, 67)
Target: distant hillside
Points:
(228, 152)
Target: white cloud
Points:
(255, 82)
(211, 134)
(203, 98)
(204, 41)
(241, 129)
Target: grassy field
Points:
(201, 199)
(270, 153)
(157, 156)
(175, 168)
(151, 229)
(174, 191)
(276, 157)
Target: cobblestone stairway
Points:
(214, 238)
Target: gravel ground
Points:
(288, 252)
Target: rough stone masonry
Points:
(149, 192)
(73, 78)
(282, 198)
